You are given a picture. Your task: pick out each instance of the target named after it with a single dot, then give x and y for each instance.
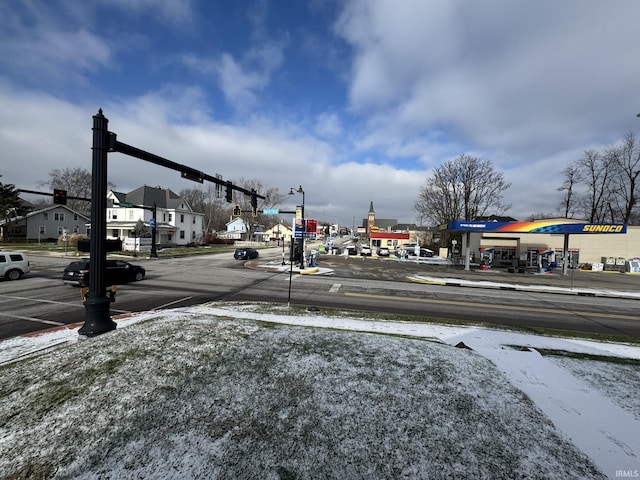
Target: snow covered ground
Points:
(264, 391)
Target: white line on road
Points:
(335, 287)
(173, 303)
(31, 319)
(12, 297)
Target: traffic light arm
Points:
(187, 172)
(69, 197)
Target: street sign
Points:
(270, 211)
(126, 204)
(152, 223)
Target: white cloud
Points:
(328, 125)
(493, 72)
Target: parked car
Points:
(383, 252)
(117, 272)
(346, 249)
(410, 250)
(13, 265)
(365, 250)
(245, 253)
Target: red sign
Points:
(312, 226)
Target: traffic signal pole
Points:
(98, 318)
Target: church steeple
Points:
(371, 218)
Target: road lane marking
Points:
(495, 307)
(173, 303)
(31, 319)
(335, 287)
(12, 297)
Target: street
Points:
(40, 300)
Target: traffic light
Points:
(229, 192)
(254, 203)
(237, 211)
(59, 196)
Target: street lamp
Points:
(301, 243)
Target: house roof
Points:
(147, 196)
(381, 222)
(412, 227)
(43, 210)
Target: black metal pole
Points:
(304, 232)
(98, 318)
(290, 270)
(154, 253)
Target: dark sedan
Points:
(245, 253)
(117, 272)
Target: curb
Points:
(525, 288)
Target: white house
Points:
(176, 222)
(236, 228)
(45, 224)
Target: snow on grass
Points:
(202, 395)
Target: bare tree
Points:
(217, 211)
(208, 202)
(626, 159)
(604, 185)
(598, 171)
(461, 189)
(572, 177)
(273, 198)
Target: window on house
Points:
(45, 216)
(75, 217)
(182, 234)
(170, 216)
(115, 233)
(76, 229)
(164, 217)
(113, 214)
(60, 230)
(182, 218)
(193, 220)
(130, 214)
(193, 235)
(169, 237)
(43, 229)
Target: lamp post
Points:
(301, 243)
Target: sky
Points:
(356, 101)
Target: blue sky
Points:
(357, 101)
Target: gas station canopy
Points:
(553, 227)
(540, 226)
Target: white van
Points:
(13, 265)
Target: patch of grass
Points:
(598, 337)
(303, 310)
(588, 356)
(35, 471)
